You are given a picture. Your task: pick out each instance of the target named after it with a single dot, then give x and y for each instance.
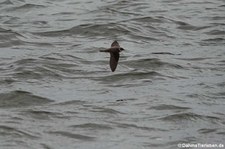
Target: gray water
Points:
(57, 90)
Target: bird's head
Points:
(121, 49)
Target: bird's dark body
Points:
(114, 54)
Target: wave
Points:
(189, 116)
(72, 135)
(134, 126)
(212, 41)
(87, 30)
(6, 2)
(53, 65)
(15, 132)
(105, 110)
(216, 32)
(169, 107)
(40, 114)
(25, 7)
(91, 126)
(151, 63)
(187, 26)
(9, 38)
(126, 77)
(18, 98)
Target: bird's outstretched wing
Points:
(115, 43)
(114, 58)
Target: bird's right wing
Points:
(114, 58)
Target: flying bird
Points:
(114, 54)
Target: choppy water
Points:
(57, 90)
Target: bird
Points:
(114, 54)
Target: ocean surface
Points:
(57, 90)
